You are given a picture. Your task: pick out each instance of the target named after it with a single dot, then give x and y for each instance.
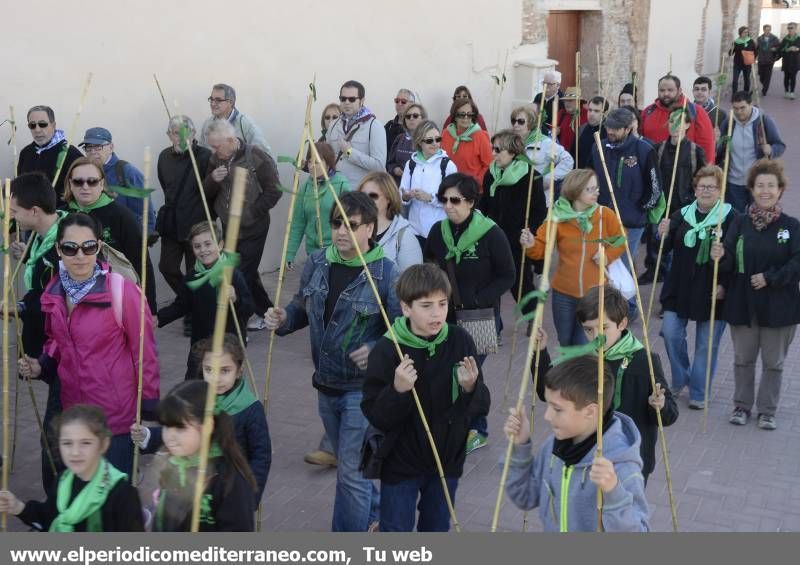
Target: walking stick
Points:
(645, 333)
(578, 86)
(544, 287)
(72, 131)
(161, 92)
(669, 203)
(762, 130)
(393, 337)
(601, 368)
(231, 237)
(14, 153)
(721, 79)
(6, 286)
(715, 276)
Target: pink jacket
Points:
(97, 361)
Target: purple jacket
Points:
(97, 360)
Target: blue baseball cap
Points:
(96, 136)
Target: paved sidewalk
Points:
(727, 479)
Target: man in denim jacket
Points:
(336, 300)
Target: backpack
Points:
(443, 164)
(117, 286)
(120, 264)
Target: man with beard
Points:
(655, 117)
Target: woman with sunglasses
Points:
(475, 253)
(86, 193)
(92, 326)
(393, 232)
(422, 175)
(312, 209)
(466, 143)
(462, 94)
(537, 146)
(330, 114)
(505, 200)
(402, 148)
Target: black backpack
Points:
(442, 164)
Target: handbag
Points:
(620, 278)
(374, 449)
(478, 322)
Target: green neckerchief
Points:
(508, 176)
(564, 212)
(740, 255)
(703, 228)
(623, 349)
(477, 228)
(235, 400)
(183, 463)
(790, 41)
(213, 274)
(104, 200)
(405, 336)
(421, 158)
(466, 136)
(743, 41)
(89, 500)
(332, 256)
(40, 247)
(535, 136)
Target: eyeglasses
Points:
(42, 125)
(218, 100)
(337, 223)
(70, 248)
(432, 140)
(591, 189)
(707, 187)
(350, 99)
(518, 121)
(329, 117)
(374, 195)
(401, 101)
(454, 200)
(92, 182)
(94, 148)
(413, 116)
(496, 149)
(465, 115)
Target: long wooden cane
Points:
(645, 333)
(544, 287)
(715, 276)
(164, 100)
(720, 84)
(600, 87)
(393, 337)
(578, 87)
(6, 286)
(14, 153)
(601, 369)
(231, 238)
(73, 130)
(666, 213)
(762, 130)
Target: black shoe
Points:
(645, 278)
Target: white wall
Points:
(268, 51)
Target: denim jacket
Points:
(356, 319)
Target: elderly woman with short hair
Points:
(537, 145)
(403, 147)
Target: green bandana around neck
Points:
(515, 170)
(743, 41)
(535, 136)
(40, 247)
(235, 400)
(466, 136)
(404, 335)
(702, 229)
(87, 504)
(182, 464)
(564, 212)
(104, 200)
(332, 255)
(213, 274)
(477, 228)
(623, 349)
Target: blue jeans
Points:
(673, 330)
(634, 238)
(398, 502)
(568, 330)
(357, 498)
(738, 196)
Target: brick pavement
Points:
(728, 479)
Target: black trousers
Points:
(744, 70)
(789, 77)
(173, 253)
(765, 76)
(250, 251)
(527, 276)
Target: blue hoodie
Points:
(567, 499)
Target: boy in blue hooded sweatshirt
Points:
(563, 478)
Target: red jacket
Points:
(701, 132)
(97, 361)
(567, 127)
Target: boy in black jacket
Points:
(439, 362)
(628, 360)
(198, 296)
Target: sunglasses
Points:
(400, 101)
(92, 182)
(464, 115)
(432, 140)
(218, 100)
(337, 223)
(42, 125)
(496, 149)
(413, 116)
(70, 248)
(374, 195)
(350, 99)
(454, 200)
(518, 121)
(461, 97)
(331, 117)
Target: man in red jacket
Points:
(655, 117)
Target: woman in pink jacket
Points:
(92, 326)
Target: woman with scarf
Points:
(761, 256)
(581, 224)
(403, 146)
(422, 175)
(85, 192)
(92, 495)
(462, 94)
(475, 253)
(312, 208)
(743, 52)
(507, 200)
(688, 234)
(463, 139)
(92, 325)
(329, 115)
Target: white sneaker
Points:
(256, 323)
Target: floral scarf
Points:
(762, 218)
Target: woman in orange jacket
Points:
(578, 231)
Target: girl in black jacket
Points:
(741, 65)
(761, 255)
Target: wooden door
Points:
(563, 41)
